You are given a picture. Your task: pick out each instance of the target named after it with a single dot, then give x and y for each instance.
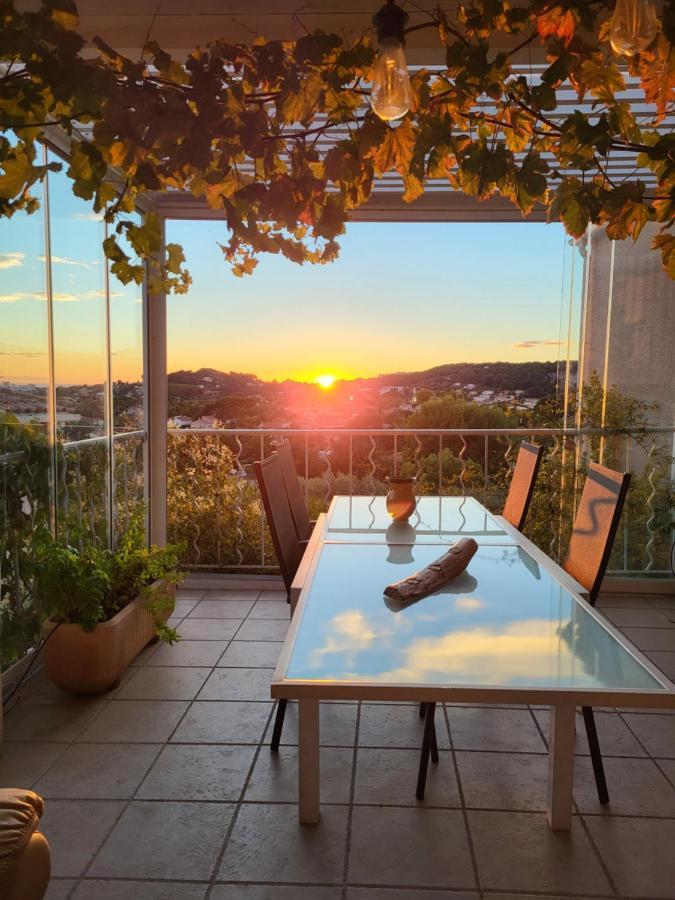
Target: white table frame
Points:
(563, 701)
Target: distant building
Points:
(390, 389)
(205, 422)
(180, 422)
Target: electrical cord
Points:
(24, 675)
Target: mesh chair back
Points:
(279, 518)
(522, 484)
(595, 526)
(294, 491)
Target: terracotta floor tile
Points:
(268, 844)
(197, 772)
(218, 721)
(164, 841)
(271, 609)
(264, 654)
(222, 609)
(668, 767)
(49, 720)
(263, 630)
(614, 735)
(652, 638)
(93, 889)
(275, 776)
(75, 830)
(518, 852)
(494, 729)
(397, 726)
(503, 780)
(641, 618)
(145, 721)
(390, 776)
(208, 629)
(59, 888)
(98, 771)
(279, 892)
(665, 660)
(233, 596)
(184, 606)
(434, 853)
(636, 788)
(23, 764)
(237, 684)
(656, 732)
(634, 852)
(337, 725)
(164, 683)
(354, 893)
(188, 653)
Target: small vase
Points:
(401, 498)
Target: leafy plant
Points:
(89, 586)
(240, 127)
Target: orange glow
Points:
(325, 381)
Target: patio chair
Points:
(287, 545)
(515, 511)
(288, 548)
(522, 484)
(296, 501)
(593, 533)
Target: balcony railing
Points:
(215, 509)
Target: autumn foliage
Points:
(279, 136)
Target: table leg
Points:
(308, 761)
(561, 766)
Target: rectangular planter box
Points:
(91, 662)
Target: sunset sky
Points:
(400, 297)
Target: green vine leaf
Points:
(250, 130)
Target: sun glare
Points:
(326, 381)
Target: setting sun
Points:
(326, 381)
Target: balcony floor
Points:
(165, 789)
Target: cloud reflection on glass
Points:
(503, 623)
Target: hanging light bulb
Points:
(390, 94)
(633, 26)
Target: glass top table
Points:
(436, 520)
(508, 630)
(505, 622)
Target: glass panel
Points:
(25, 482)
(627, 380)
(360, 519)
(126, 366)
(504, 622)
(80, 363)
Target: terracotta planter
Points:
(91, 662)
(401, 500)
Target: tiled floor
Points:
(166, 788)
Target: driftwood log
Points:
(435, 575)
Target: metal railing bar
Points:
(426, 432)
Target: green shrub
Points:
(89, 586)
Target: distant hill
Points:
(535, 379)
(223, 382)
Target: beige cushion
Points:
(20, 813)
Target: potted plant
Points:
(102, 607)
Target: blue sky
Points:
(78, 290)
(401, 296)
